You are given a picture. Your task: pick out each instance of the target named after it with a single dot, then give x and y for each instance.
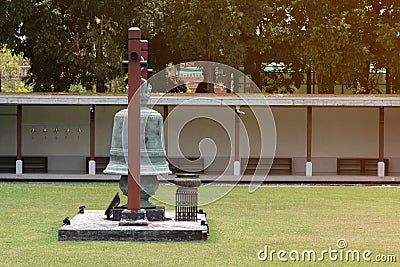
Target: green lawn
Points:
(241, 224)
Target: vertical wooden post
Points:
(92, 132)
(134, 73)
(236, 164)
(381, 133)
(309, 132)
(92, 162)
(19, 132)
(237, 136)
(165, 116)
(165, 112)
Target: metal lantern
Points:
(152, 152)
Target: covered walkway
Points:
(225, 179)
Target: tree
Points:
(71, 42)
(83, 42)
(387, 40)
(251, 27)
(320, 33)
(12, 14)
(205, 31)
(10, 67)
(341, 39)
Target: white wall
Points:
(50, 117)
(104, 125)
(337, 132)
(205, 132)
(392, 139)
(291, 128)
(345, 132)
(8, 131)
(191, 129)
(260, 132)
(65, 152)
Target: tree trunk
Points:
(236, 86)
(248, 67)
(256, 74)
(326, 85)
(209, 78)
(100, 86)
(395, 81)
(252, 67)
(388, 81)
(308, 81)
(365, 78)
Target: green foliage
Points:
(118, 85)
(204, 30)
(73, 42)
(10, 66)
(182, 88)
(282, 82)
(17, 87)
(9, 63)
(77, 88)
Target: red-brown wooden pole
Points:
(381, 133)
(19, 132)
(237, 120)
(134, 53)
(165, 116)
(92, 132)
(236, 164)
(309, 133)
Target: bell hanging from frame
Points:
(152, 152)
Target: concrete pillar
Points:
(236, 168)
(381, 169)
(308, 168)
(18, 164)
(309, 141)
(381, 163)
(92, 167)
(236, 164)
(18, 167)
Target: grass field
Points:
(241, 224)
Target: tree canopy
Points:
(83, 42)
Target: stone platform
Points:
(93, 226)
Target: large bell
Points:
(152, 153)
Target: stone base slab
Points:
(133, 215)
(93, 226)
(156, 214)
(133, 218)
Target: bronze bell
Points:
(152, 152)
